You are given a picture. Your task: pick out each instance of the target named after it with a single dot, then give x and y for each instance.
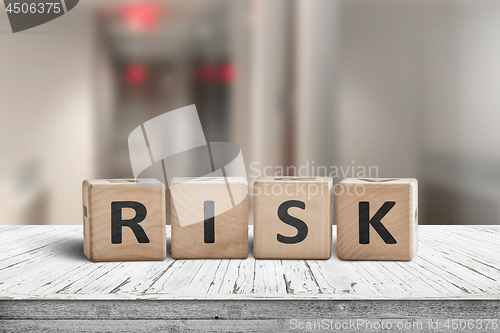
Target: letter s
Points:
(300, 225)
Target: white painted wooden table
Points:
(455, 273)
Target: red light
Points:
(142, 16)
(136, 74)
(227, 73)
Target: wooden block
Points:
(292, 218)
(377, 219)
(209, 218)
(124, 220)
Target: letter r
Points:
(117, 221)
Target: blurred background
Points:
(411, 87)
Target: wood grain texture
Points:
(315, 196)
(47, 263)
(261, 309)
(415, 324)
(229, 226)
(236, 315)
(395, 200)
(98, 196)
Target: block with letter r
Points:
(377, 218)
(292, 217)
(124, 221)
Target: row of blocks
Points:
(376, 218)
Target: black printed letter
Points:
(209, 226)
(364, 222)
(294, 222)
(117, 222)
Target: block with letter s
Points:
(292, 217)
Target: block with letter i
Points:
(209, 218)
(377, 219)
(292, 218)
(124, 219)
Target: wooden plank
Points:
(142, 326)
(245, 309)
(18, 246)
(46, 262)
(243, 276)
(243, 316)
(273, 325)
(269, 278)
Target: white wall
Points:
(46, 110)
(418, 97)
(378, 87)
